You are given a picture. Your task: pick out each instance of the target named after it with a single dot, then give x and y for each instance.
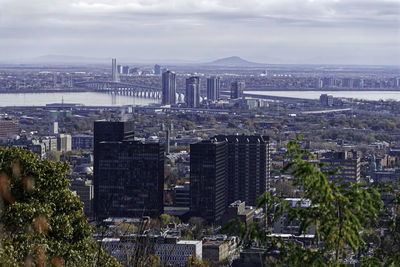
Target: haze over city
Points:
(207, 133)
(186, 31)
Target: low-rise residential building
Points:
(170, 250)
(82, 141)
(239, 210)
(284, 226)
(215, 250)
(348, 164)
(84, 189)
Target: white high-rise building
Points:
(192, 96)
(114, 71)
(213, 87)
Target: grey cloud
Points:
(293, 30)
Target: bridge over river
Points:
(122, 88)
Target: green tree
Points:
(187, 234)
(165, 219)
(342, 214)
(42, 221)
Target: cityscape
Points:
(108, 160)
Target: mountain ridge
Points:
(233, 61)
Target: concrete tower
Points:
(213, 88)
(114, 71)
(168, 88)
(192, 96)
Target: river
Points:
(103, 99)
(86, 98)
(366, 95)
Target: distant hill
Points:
(234, 61)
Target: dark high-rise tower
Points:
(237, 89)
(192, 96)
(213, 88)
(168, 88)
(248, 174)
(208, 179)
(239, 164)
(114, 71)
(128, 174)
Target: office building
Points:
(208, 179)
(239, 164)
(125, 70)
(327, 82)
(348, 163)
(213, 88)
(50, 143)
(53, 128)
(39, 149)
(82, 141)
(326, 100)
(248, 174)
(168, 88)
(237, 89)
(182, 195)
(84, 189)
(8, 127)
(171, 251)
(64, 142)
(192, 96)
(119, 69)
(239, 210)
(215, 250)
(114, 70)
(128, 174)
(347, 82)
(157, 69)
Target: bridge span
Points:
(122, 88)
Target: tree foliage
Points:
(342, 213)
(42, 221)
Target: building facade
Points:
(248, 167)
(8, 128)
(64, 142)
(225, 169)
(84, 189)
(207, 179)
(157, 69)
(237, 89)
(169, 88)
(213, 88)
(82, 141)
(128, 174)
(192, 96)
(114, 71)
(348, 164)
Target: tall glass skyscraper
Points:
(192, 97)
(213, 88)
(168, 88)
(114, 71)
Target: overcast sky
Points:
(266, 31)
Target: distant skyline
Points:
(146, 31)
